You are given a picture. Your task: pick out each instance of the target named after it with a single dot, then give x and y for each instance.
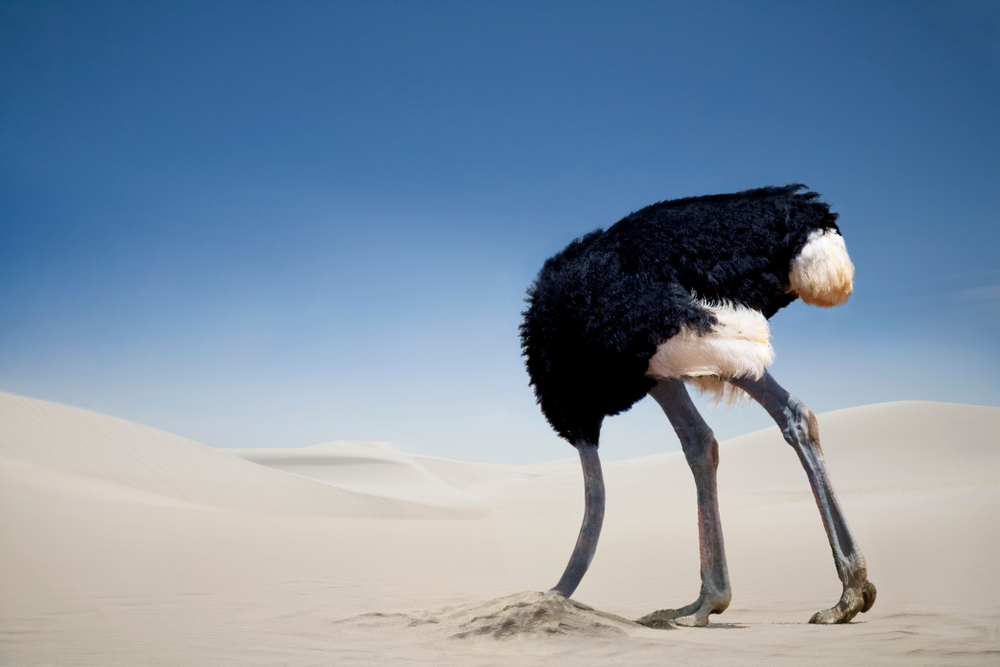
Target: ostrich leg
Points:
(798, 425)
(593, 517)
(702, 453)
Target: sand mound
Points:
(532, 614)
(527, 614)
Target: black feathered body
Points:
(598, 309)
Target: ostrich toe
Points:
(694, 615)
(856, 599)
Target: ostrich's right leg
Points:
(702, 453)
(798, 426)
(593, 518)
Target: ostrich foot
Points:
(694, 615)
(856, 599)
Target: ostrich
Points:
(680, 293)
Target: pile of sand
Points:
(123, 545)
(527, 614)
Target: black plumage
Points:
(598, 309)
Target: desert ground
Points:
(124, 545)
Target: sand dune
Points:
(126, 456)
(123, 545)
(365, 467)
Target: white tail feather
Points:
(738, 346)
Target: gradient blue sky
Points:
(283, 223)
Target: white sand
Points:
(123, 545)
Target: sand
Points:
(124, 545)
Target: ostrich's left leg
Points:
(593, 519)
(798, 426)
(702, 453)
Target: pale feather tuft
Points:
(822, 273)
(738, 346)
(719, 391)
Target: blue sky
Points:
(284, 223)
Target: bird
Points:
(680, 294)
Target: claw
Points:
(868, 591)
